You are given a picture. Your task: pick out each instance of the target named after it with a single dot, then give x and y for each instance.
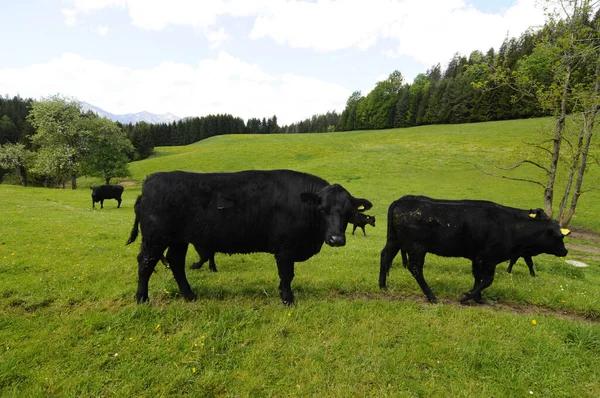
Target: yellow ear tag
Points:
(565, 231)
(361, 207)
(532, 215)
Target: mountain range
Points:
(131, 117)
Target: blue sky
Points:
(249, 58)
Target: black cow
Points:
(360, 220)
(205, 255)
(283, 212)
(533, 213)
(103, 192)
(484, 232)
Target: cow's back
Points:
(448, 228)
(250, 211)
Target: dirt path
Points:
(592, 251)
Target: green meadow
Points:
(69, 324)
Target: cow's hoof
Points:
(196, 266)
(141, 299)
(190, 297)
(287, 299)
(432, 300)
(465, 297)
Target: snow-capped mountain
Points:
(131, 117)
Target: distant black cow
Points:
(360, 220)
(287, 213)
(205, 255)
(103, 192)
(484, 232)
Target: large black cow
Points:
(287, 213)
(484, 232)
(103, 192)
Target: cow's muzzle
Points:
(336, 240)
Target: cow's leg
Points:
(353, 228)
(415, 266)
(404, 258)
(529, 263)
(211, 264)
(476, 271)
(363, 228)
(510, 265)
(102, 204)
(285, 268)
(93, 204)
(147, 259)
(119, 204)
(486, 271)
(387, 256)
(199, 264)
(176, 258)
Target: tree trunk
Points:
(574, 167)
(588, 127)
(22, 175)
(73, 181)
(558, 135)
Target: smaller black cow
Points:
(360, 220)
(205, 255)
(484, 232)
(103, 192)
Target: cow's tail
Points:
(136, 223)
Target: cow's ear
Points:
(537, 213)
(361, 204)
(310, 198)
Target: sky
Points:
(248, 58)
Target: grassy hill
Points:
(69, 325)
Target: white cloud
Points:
(216, 38)
(102, 30)
(223, 84)
(429, 31)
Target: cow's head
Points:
(371, 220)
(549, 239)
(94, 193)
(335, 206)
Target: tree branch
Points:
(516, 166)
(509, 178)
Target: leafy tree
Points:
(8, 130)
(109, 150)
(15, 156)
(63, 143)
(557, 76)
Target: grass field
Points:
(69, 325)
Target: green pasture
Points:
(69, 325)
